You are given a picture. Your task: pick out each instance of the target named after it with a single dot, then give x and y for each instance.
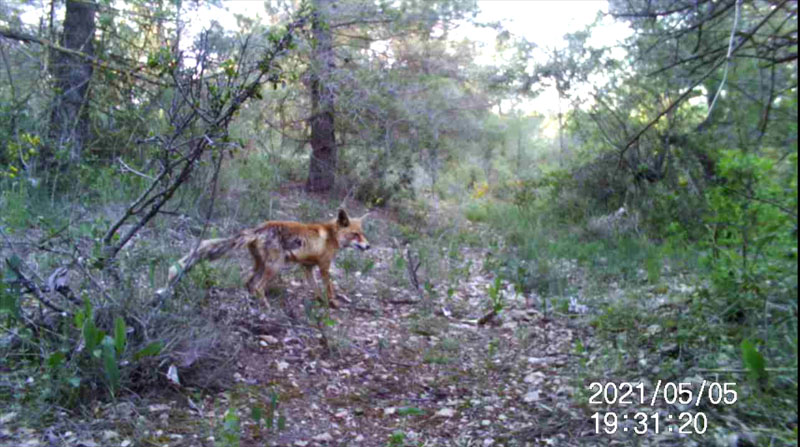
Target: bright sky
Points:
(544, 22)
(541, 21)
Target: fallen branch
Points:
(32, 287)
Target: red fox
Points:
(274, 243)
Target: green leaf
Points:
(410, 411)
(80, 316)
(256, 414)
(753, 361)
(230, 428)
(90, 333)
(150, 350)
(397, 438)
(9, 304)
(110, 366)
(14, 262)
(119, 335)
(273, 399)
(579, 348)
(55, 360)
(74, 382)
(281, 422)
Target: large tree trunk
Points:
(69, 121)
(322, 166)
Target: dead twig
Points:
(413, 266)
(486, 318)
(127, 168)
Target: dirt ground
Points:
(408, 369)
(406, 361)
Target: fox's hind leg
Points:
(262, 272)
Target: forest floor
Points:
(398, 364)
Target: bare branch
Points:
(126, 168)
(32, 287)
(699, 81)
(22, 37)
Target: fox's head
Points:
(350, 231)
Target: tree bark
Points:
(69, 119)
(322, 165)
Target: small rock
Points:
(8, 417)
(532, 396)
(268, 339)
(534, 377)
(445, 413)
(324, 437)
(172, 375)
(158, 408)
(536, 361)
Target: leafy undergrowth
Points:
(434, 346)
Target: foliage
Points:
(751, 222)
(661, 199)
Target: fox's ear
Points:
(343, 220)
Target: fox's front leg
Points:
(312, 283)
(326, 278)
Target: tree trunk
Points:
(69, 120)
(322, 166)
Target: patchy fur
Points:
(276, 243)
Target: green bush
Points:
(477, 212)
(752, 224)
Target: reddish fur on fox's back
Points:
(274, 243)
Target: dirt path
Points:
(406, 368)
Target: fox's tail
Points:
(210, 249)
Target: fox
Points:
(274, 244)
